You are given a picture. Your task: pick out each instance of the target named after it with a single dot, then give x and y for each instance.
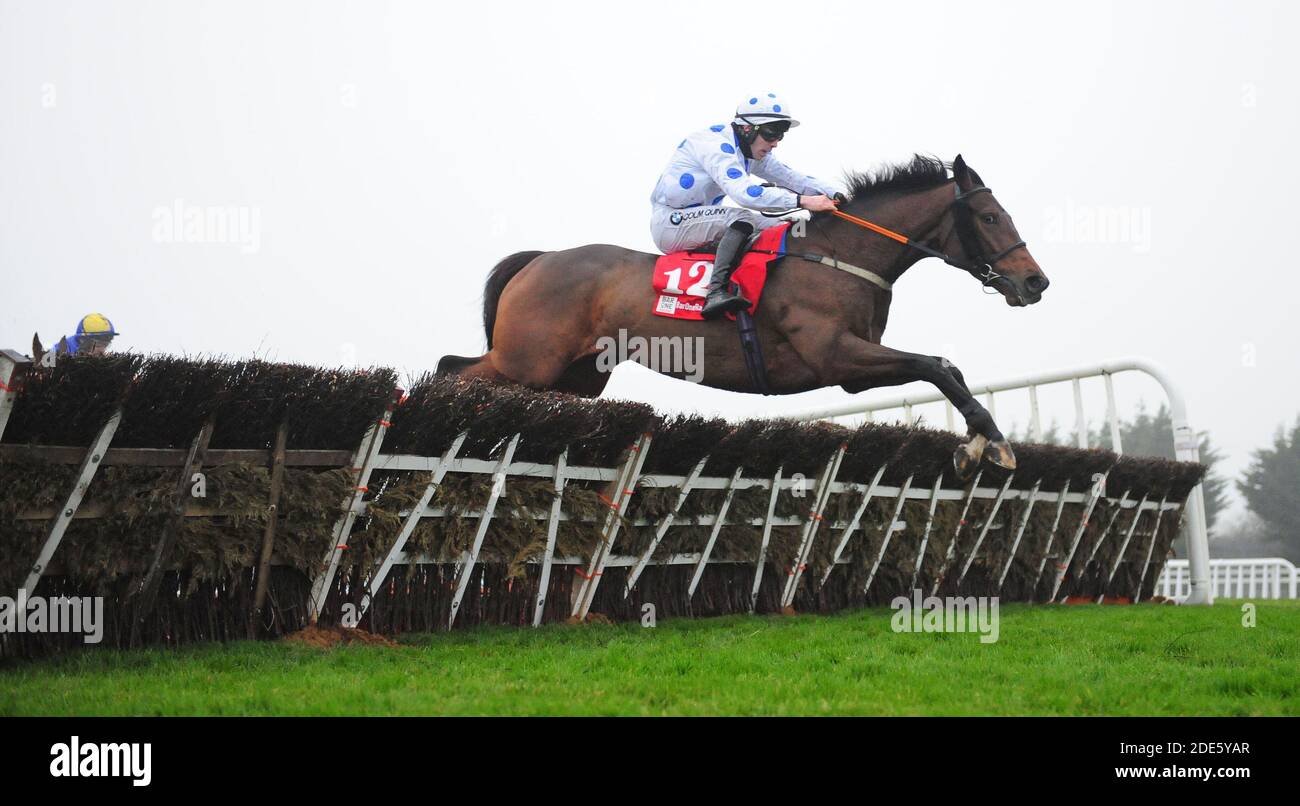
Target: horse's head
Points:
(990, 243)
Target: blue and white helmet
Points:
(765, 108)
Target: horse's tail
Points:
(501, 274)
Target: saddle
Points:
(682, 278)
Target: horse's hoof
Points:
(1000, 454)
(967, 457)
(962, 464)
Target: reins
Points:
(981, 268)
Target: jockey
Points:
(730, 162)
(94, 333)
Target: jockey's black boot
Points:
(720, 299)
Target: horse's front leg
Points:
(858, 365)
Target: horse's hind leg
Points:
(859, 365)
(456, 364)
(464, 367)
(580, 378)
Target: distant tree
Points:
(1248, 536)
(1050, 436)
(1271, 486)
(1153, 435)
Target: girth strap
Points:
(856, 271)
(753, 352)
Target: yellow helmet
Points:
(95, 324)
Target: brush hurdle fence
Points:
(210, 500)
(1186, 444)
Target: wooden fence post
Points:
(147, 592)
(268, 535)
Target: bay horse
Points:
(545, 312)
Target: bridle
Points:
(980, 265)
(963, 218)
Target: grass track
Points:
(1087, 660)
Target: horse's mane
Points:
(920, 173)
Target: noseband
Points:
(963, 218)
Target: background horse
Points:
(547, 314)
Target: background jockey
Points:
(731, 161)
(94, 333)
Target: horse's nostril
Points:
(1037, 283)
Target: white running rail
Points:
(1186, 445)
(1263, 578)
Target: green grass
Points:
(1149, 659)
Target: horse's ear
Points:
(961, 173)
(965, 175)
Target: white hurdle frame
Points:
(810, 528)
(552, 528)
(465, 570)
(1186, 444)
(887, 530)
(1020, 531)
(664, 524)
(767, 536)
(1119, 557)
(412, 520)
(363, 464)
(1062, 569)
(90, 464)
(925, 536)
(628, 478)
(853, 524)
(984, 529)
(713, 533)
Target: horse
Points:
(549, 315)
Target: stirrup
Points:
(723, 302)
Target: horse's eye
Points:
(989, 218)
